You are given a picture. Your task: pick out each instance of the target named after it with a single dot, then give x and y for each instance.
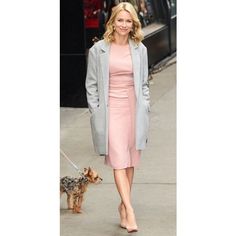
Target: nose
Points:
(124, 24)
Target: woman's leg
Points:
(130, 174)
(123, 187)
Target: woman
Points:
(118, 99)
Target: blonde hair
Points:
(135, 34)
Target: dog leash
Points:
(70, 161)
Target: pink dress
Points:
(122, 102)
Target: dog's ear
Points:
(85, 170)
(89, 169)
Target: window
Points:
(145, 12)
(173, 7)
(92, 9)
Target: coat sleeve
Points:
(91, 81)
(145, 85)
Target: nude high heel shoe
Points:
(122, 216)
(134, 228)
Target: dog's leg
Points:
(70, 201)
(80, 201)
(76, 207)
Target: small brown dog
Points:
(76, 187)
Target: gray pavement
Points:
(154, 189)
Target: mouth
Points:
(99, 181)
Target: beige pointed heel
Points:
(132, 230)
(134, 227)
(122, 217)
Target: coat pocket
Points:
(147, 106)
(142, 127)
(98, 129)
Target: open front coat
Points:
(97, 86)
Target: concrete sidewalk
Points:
(154, 189)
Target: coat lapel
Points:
(104, 62)
(136, 65)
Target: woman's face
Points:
(123, 23)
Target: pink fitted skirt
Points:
(121, 132)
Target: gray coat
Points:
(97, 85)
